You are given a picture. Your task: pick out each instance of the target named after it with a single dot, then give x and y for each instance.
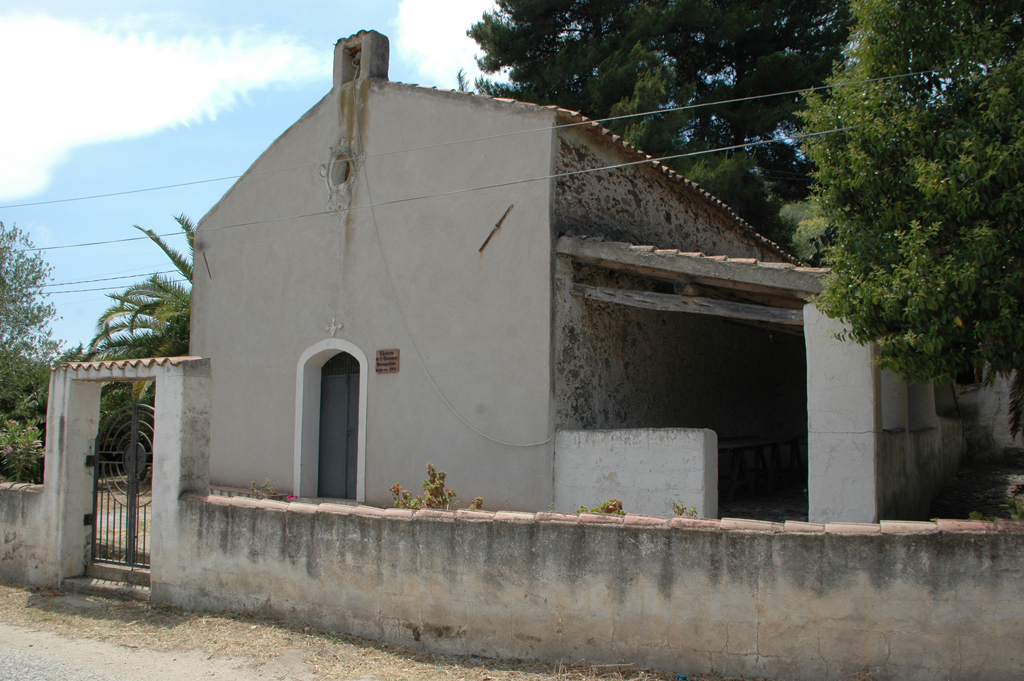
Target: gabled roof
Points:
(567, 117)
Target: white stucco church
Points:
(516, 294)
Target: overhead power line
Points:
(92, 281)
(106, 288)
(646, 161)
(472, 139)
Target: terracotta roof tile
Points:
(125, 363)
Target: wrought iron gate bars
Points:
(121, 470)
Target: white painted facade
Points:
(647, 469)
(396, 217)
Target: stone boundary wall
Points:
(24, 534)
(743, 598)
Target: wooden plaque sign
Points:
(387, 361)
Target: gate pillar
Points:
(72, 419)
(182, 439)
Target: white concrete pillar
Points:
(182, 454)
(73, 413)
(842, 422)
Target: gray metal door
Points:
(339, 427)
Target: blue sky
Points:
(110, 96)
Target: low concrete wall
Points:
(647, 469)
(737, 598)
(26, 549)
(913, 466)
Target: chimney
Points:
(364, 55)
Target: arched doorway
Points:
(339, 427)
(311, 370)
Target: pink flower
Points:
(8, 449)
(291, 497)
(32, 428)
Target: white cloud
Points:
(68, 84)
(432, 38)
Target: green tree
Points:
(26, 343)
(926, 190)
(608, 58)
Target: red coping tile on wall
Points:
(513, 517)
(756, 525)
(800, 526)
(945, 525)
(697, 523)
(600, 519)
(271, 505)
(852, 528)
(435, 514)
(306, 509)
(398, 513)
(646, 521)
(368, 511)
(244, 502)
(1010, 525)
(906, 526)
(335, 509)
(549, 517)
(472, 516)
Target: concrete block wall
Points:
(732, 597)
(647, 469)
(25, 534)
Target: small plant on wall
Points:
(264, 491)
(610, 507)
(681, 509)
(435, 494)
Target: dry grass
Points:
(256, 640)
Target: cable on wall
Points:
(405, 324)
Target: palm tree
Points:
(150, 318)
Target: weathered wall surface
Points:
(639, 205)
(736, 598)
(26, 548)
(623, 367)
(843, 421)
(877, 448)
(985, 423)
(913, 466)
(480, 320)
(646, 469)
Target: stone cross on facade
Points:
(333, 327)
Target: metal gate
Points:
(123, 487)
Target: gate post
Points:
(72, 419)
(182, 461)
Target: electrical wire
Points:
(107, 288)
(405, 324)
(371, 205)
(589, 122)
(92, 281)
